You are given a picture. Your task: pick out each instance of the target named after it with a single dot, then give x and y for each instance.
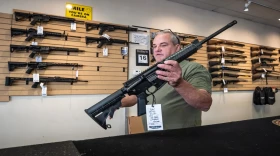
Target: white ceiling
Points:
(235, 8)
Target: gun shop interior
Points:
(96, 77)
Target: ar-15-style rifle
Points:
(139, 84)
(31, 34)
(42, 49)
(103, 40)
(217, 55)
(10, 80)
(212, 48)
(226, 81)
(218, 62)
(217, 42)
(102, 27)
(38, 65)
(35, 18)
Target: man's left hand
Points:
(172, 73)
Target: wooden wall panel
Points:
(105, 74)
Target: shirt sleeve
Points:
(198, 76)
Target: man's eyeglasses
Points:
(178, 40)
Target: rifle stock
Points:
(139, 84)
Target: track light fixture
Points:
(247, 5)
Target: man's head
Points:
(165, 44)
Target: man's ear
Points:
(178, 47)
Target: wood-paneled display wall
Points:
(234, 65)
(104, 74)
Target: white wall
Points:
(58, 118)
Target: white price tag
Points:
(34, 43)
(40, 30)
(260, 60)
(36, 77)
(38, 58)
(73, 26)
(223, 61)
(77, 73)
(106, 36)
(124, 51)
(224, 82)
(261, 51)
(264, 70)
(142, 58)
(263, 75)
(225, 90)
(154, 117)
(105, 51)
(44, 91)
(223, 49)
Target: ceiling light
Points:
(247, 5)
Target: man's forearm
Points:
(197, 98)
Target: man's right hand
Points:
(129, 100)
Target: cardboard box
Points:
(135, 125)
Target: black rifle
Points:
(103, 40)
(262, 59)
(217, 68)
(38, 65)
(34, 18)
(31, 33)
(216, 42)
(221, 74)
(211, 48)
(42, 49)
(109, 27)
(210, 56)
(216, 82)
(215, 62)
(139, 84)
(10, 80)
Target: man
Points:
(188, 91)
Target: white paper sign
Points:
(142, 39)
(142, 59)
(44, 91)
(154, 117)
(223, 49)
(34, 43)
(223, 61)
(38, 58)
(77, 73)
(36, 78)
(73, 26)
(225, 90)
(40, 30)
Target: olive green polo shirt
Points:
(176, 113)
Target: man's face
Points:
(163, 47)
